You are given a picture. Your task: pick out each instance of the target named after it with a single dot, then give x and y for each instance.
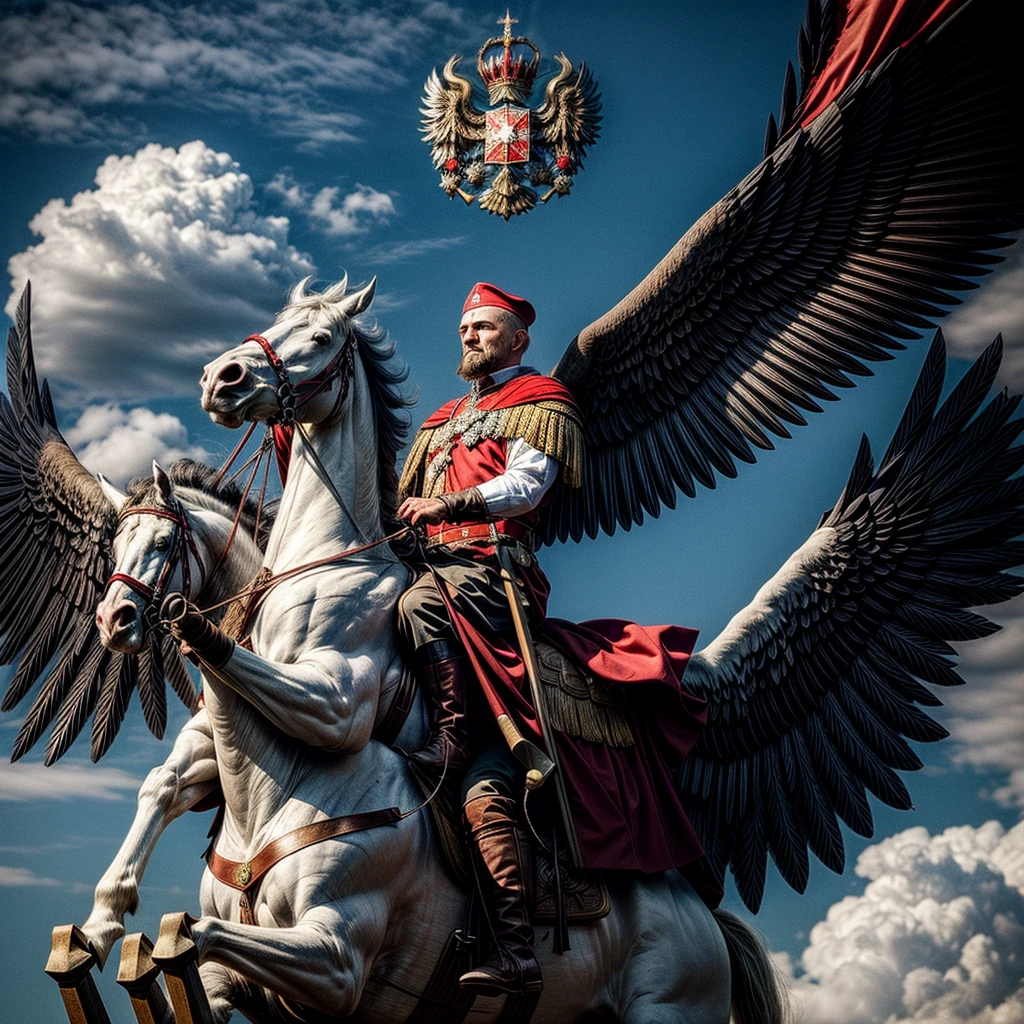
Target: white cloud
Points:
(989, 722)
(936, 938)
(23, 876)
(69, 779)
(290, 192)
(71, 71)
(138, 281)
(411, 249)
(997, 308)
(353, 214)
(123, 444)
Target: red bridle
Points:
(182, 543)
(291, 397)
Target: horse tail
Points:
(758, 992)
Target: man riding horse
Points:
(478, 476)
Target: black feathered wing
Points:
(56, 531)
(814, 688)
(856, 231)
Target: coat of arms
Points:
(506, 157)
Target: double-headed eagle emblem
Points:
(506, 157)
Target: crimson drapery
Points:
(871, 29)
(626, 806)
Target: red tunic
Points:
(626, 807)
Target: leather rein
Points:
(182, 544)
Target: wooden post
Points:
(71, 960)
(138, 974)
(177, 956)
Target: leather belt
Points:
(507, 532)
(246, 875)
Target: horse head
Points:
(301, 365)
(154, 552)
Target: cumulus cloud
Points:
(140, 280)
(989, 721)
(75, 72)
(936, 938)
(67, 780)
(23, 876)
(997, 308)
(352, 214)
(122, 444)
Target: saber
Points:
(515, 604)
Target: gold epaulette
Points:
(551, 426)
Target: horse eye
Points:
(322, 337)
(162, 543)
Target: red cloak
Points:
(626, 807)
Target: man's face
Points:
(488, 344)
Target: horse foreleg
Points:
(320, 962)
(188, 774)
(325, 699)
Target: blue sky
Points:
(168, 171)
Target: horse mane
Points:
(385, 375)
(223, 497)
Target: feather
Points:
(815, 684)
(152, 692)
(862, 225)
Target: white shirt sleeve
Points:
(528, 476)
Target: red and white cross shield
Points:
(507, 136)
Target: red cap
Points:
(484, 294)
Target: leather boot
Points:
(444, 670)
(503, 851)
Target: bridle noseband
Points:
(290, 397)
(182, 543)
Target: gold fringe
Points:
(237, 618)
(411, 482)
(579, 706)
(552, 427)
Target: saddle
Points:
(576, 704)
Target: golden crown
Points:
(506, 65)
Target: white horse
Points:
(178, 527)
(355, 925)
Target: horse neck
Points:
(213, 531)
(311, 522)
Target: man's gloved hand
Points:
(458, 507)
(421, 511)
(192, 628)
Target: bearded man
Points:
(478, 476)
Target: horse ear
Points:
(162, 481)
(359, 302)
(113, 495)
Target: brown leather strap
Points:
(245, 875)
(390, 725)
(442, 1001)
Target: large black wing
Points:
(813, 689)
(56, 531)
(856, 231)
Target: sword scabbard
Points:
(526, 648)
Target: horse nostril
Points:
(123, 616)
(230, 375)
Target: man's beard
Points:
(474, 365)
